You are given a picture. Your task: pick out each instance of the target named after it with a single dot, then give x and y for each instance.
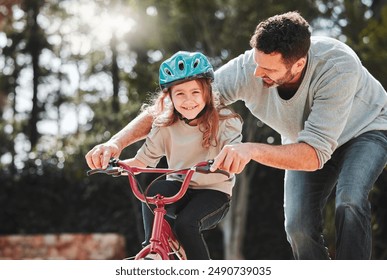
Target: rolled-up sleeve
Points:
(329, 113)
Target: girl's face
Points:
(188, 99)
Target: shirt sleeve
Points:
(330, 110)
(153, 148)
(231, 131)
(233, 80)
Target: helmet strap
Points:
(187, 121)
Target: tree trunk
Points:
(234, 225)
(34, 49)
(115, 76)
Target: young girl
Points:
(189, 126)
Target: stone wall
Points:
(106, 246)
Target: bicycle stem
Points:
(166, 200)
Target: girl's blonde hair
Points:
(164, 113)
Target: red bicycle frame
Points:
(163, 242)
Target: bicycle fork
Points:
(163, 241)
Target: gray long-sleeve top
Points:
(337, 100)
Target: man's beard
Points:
(284, 80)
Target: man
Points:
(332, 117)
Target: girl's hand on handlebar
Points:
(99, 156)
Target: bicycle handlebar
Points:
(117, 168)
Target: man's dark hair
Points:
(287, 34)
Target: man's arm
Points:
(299, 156)
(137, 129)
(134, 131)
(133, 162)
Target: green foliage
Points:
(372, 47)
(50, 198)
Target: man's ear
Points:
(299, 65)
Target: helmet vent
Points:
(167, 72)
(181, 65)
(196, 63)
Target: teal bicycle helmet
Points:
(184, 66)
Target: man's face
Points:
(272, 70)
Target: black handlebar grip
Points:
(206, 170)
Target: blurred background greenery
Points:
(74, 72)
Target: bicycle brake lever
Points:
(222, 172)
(206, 169)
(114, 171)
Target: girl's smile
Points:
(188, 99)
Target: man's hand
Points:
(99, 156)
(232, 158)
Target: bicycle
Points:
(163, 242)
